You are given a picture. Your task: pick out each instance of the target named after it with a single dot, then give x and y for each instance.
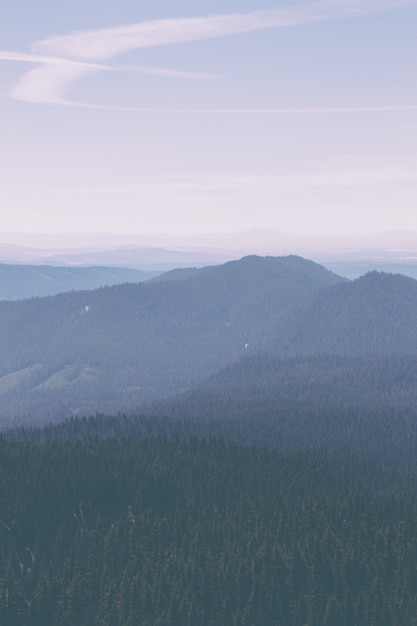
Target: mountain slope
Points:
(117, 347)
(348, 350)
(358, 404)
(267, 382)
(374, 314)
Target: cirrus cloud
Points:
(64, 59)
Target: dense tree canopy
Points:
(106, 522)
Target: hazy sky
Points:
(183, 117)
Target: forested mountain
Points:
(18, 282)
(118, 347)
(354, 404)
(278, 489)
(334, 381)
(178, 273)
(374, 314)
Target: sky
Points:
(210, 117)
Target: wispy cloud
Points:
(276, 111)
(9, 55)
(163, 71)
(51, 81)
(107, 43)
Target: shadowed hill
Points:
(374, 314)
(364, 404)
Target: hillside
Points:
(374, 314)
(118, 347)
(18, 282)
(340, 366)
(351, 403)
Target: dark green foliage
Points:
(128, 531)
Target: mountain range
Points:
(348, 254)
(123, 347)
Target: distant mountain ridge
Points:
(18, 282)
(349, 255)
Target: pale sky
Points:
(208, 117)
